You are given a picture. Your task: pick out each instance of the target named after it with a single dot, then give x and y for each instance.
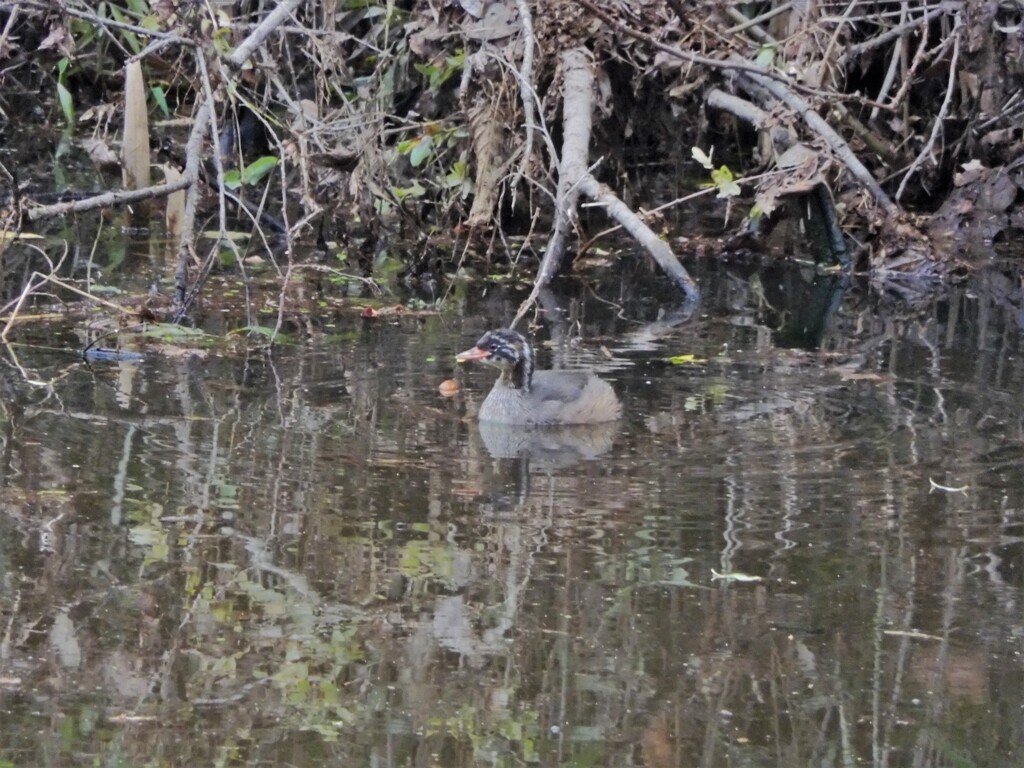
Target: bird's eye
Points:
(494, 346)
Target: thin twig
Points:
(218, 160)
(728, 64)
(31, 287)
(49, 6)
(943, 110)
(204, 116)
(527, 94)
(11, 21)
(759, 20)
(898, 51)
(193, 160)
(883, 39)
(919, 58)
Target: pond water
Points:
(802, 545)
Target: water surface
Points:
(801, 546)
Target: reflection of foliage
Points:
(298, 655)
(647, 564)
(424, 558)
(147, 531)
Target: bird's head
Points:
(506, 350)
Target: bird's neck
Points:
(520, 375)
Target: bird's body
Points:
(527, 397)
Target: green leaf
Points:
(416, 190)
(105, 290)
(171, 332)
(256, 330)
(421, 152)
(129, 37)
(721, 175)
(730, 190)
(725, 181)
(67, 103)
(686, 360)
(765, 56)
(160, 97)
(233, 179)
(456, 175)
(443, 77)
(257, 169)
(733, 576)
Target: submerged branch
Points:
(660, 251)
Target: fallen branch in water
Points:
(574, 177)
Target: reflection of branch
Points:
(647, 337)
(261, 559)
(29, 378)
(32, 286)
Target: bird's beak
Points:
(473, 353)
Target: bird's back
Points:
(556, 397)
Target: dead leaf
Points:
(474, 8)
(102, 156)
(499, 21)
(60, 39)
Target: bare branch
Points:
(263, 30)
(107, 200)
